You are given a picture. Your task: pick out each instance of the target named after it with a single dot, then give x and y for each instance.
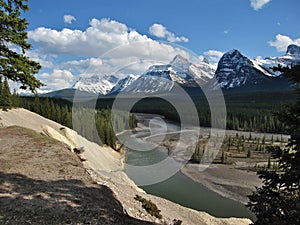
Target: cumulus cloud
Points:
(69, 19)
(104, 36)
(213, 56)
(44, 60)
(258, 4)
(58, 79)
(160, 31)
(105, 47)
(282, 42)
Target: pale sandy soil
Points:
(42, 182)
(226, 180)
(104, 167)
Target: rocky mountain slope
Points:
(123, 84)
(235, 69)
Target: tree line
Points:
(243, 116)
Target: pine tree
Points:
(249, 153)
(278, 201)
(66, 117)
(36, 107)
(46, 109)
(52, 110)
(6, 96)
(1, 91)
(15, 99)
(58, 115)
(269, 162)
(13, 65)
(229, 143)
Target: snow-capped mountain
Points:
(235, 69)
(123, 84)
(155, 79)
(291, 57)
(162, 78)
(96, 84)
(201, 71)
(293, 51)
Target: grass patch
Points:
(149, 206)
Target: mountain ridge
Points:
(234, 70)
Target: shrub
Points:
(149, 206)
(177, 222)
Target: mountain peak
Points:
(179, 57)
(293, 50)
(235, 69)
(234, 52)
(181, 63)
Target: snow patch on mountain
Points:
(123, 84)
(148, 83)
(96, 84)
(162, 78)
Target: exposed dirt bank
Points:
(42, 182)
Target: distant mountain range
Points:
(234, 70)
(96, 84)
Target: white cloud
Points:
(69, 19)
(282, 42)
(105, 47)
(118, 66)
(160, 31)
(58, 79)
(213, 56)
(258, 4)
(44, 60)
(103, 36)
(226, 31)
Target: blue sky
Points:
(69, 37)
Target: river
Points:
(179, 188)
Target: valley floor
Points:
(233, 180)
(43, 182)
(226, 180)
